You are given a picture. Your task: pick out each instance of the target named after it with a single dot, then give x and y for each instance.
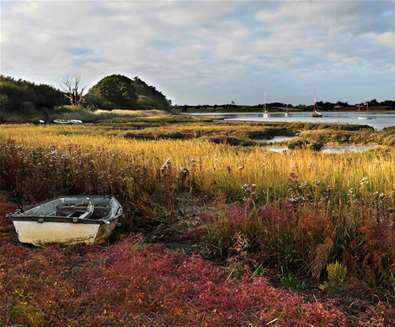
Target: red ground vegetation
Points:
(5, 224)
(132, 284)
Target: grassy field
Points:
(315, 223)
(213, 167)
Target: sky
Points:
(209, 52)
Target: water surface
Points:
(357, 148)
(336, 149)
(377, 120)
(279, 139)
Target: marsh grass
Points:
(216, 167)
(295, 212)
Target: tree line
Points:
(111, 92)
(279, 106)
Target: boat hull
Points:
(40, 234)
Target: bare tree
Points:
(72, 89)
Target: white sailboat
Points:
(316, 113)
(265, 113)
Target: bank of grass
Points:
(237, 133)
(364, 136)
(87, 115)
(213, 167)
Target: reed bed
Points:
(296, 212)
(214, 167)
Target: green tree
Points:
(19, 96)
(111, 92)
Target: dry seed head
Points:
(363, 181)
(166, 165)
(183, 171)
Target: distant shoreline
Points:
(252, 111)
(242, 109)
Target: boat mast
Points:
(264, 103)
(265, 115)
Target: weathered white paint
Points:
(53, 232)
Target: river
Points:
(378, 120)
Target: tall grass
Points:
(216, 167)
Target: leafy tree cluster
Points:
(24, 97)
(121, 92)
(113, 91)
(149, 96)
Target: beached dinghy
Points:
(68, 220)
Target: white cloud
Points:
(201, 51)
(387, 39)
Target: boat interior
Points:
(78, 210)
(74, 207)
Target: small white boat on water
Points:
(68, 220)
(265, 113)
(316, 113)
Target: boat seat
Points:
(77, 210)
(69, 210)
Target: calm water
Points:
(279, 139)
(377, 120)
(337, 149)
(357, 148)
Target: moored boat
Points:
(265, 113)
(316, 113)
(68, 220)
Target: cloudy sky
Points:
(209, 51)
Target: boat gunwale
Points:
(19, 216)
(62, 219)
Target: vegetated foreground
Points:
(130, 283)
(313, 221)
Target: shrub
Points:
(336, 277)
(299, 237)
(24, 313)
